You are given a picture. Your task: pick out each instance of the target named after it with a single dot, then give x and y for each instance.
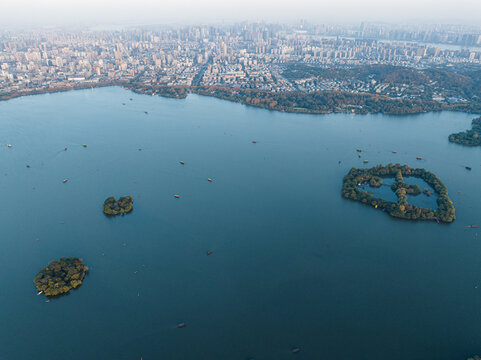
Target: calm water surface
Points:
(293, 263)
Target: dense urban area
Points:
(302, 67)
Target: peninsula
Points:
(469, 137)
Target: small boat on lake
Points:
(394, 152)
(468, 168)
(295, 350)
(145, 112)
(65, 180)
(84, 145)
(9, 145)
(365, 161)
(177, 196)
(181, 324)
(40, 293)
(209, 179)
(209, 252)
(419, 158)
(181, 162)
(254, 141)
(65, 148)
(359, 150)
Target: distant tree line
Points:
(324, 102)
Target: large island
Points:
(356, 178)
(60, 276)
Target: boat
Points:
(9, 145)
(209, 252)
(365, 161)
(40, 293)
(473, 226)
(295, 350)
(359, 156)
(28, 166)
(181, 162)
(84, 145)
(145, 112)
(65, 180)
(123, 103)
(209, 179)
(358, 150)
(177, 196)
(254, 141)
(181, 325)
(419, 158)
(65, 148)
(394, 152)
(468, 168)
(47, 301)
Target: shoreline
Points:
(182, 91)
(19, 94)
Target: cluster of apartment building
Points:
(243, 55)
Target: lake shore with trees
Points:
(469, 137)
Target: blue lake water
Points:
(293, 263)
(421, 200)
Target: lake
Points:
(293, 263)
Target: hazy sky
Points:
(61, 12)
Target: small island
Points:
(401, 209)
(60, 276)
(116, 207)
(470, 137)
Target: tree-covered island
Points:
(60, 276)
(469, 137)
(400, 209)
(115, 207)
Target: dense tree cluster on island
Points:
(400, 209)
(115, 207)
(60, 276)
(469, 137)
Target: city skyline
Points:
(268, 57)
